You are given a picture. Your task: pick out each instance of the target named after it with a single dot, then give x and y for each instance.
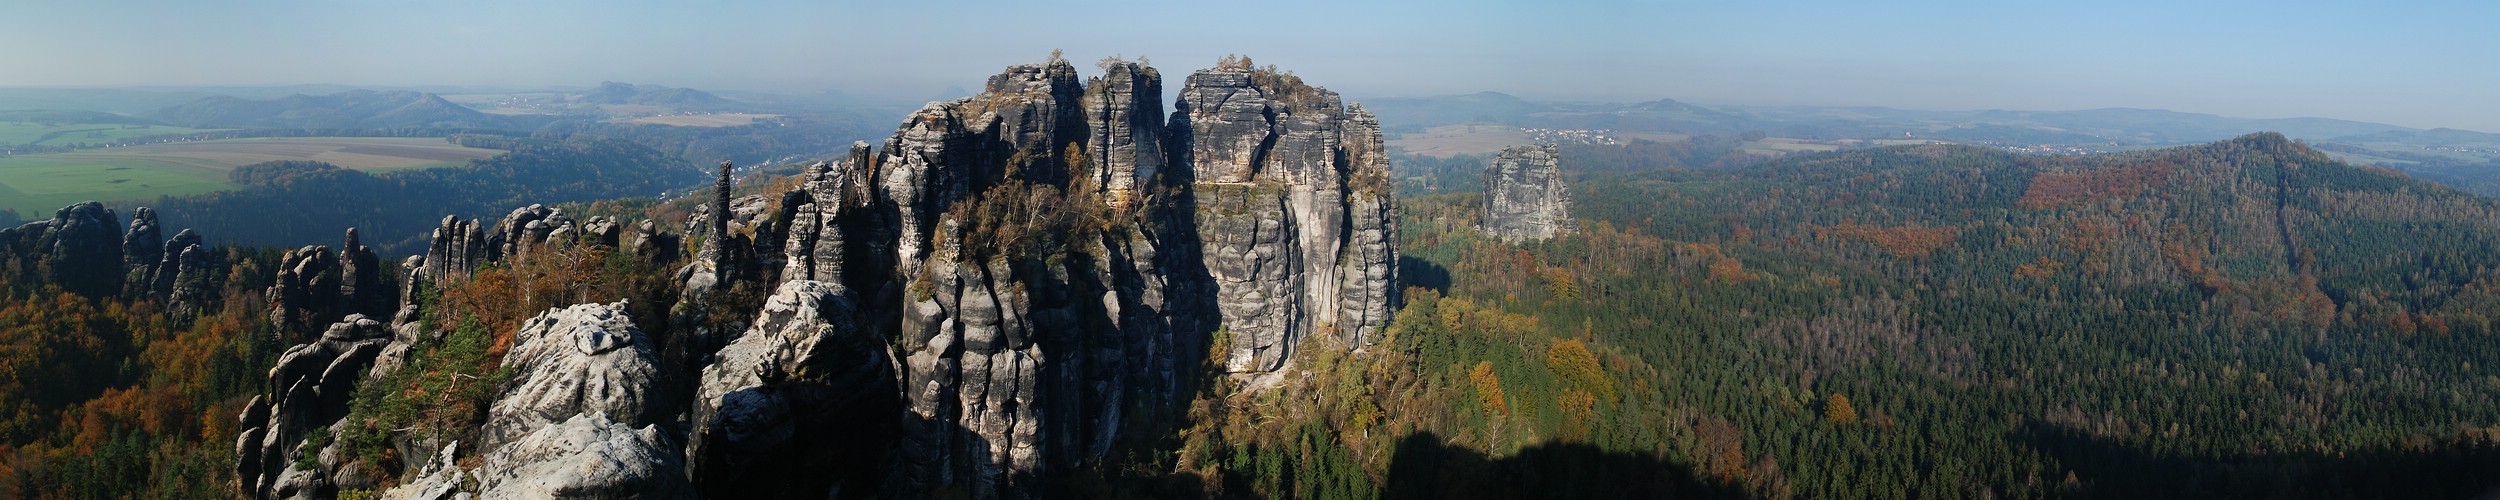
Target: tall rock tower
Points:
(1524, 196)
(1292, 207)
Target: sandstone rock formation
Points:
(582, 359)
(585, 456)
(586, 359)
(1013, 284)
(185, 278)
(317, 378)
(361, 289)
(306, 293)
(1524, 196)
(802, 403)
(1125, 141)
(439, 480)
(1284, 173)
(456, 250)
(142, 250)
(317, 287)
(79, 248)
(71, 250)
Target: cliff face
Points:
(1524, 196)
(1027, 287)
(1049, 262)
(1014, 283)
(1298, 228)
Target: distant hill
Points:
(350, 109)
(682, 99)
(2154, 126)
(1418, 113)
(58, 116)
(2438, 137)
(2108, 126)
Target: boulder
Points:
(581, 359)
(585, 456)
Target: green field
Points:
(22, 133)
(36, 185)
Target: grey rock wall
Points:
(1014, 284)
(1285, 176)
(1524, 195)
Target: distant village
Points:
(1571, 136)
(2052, 149)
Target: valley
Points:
(37, 183)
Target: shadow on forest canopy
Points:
(1426, 467)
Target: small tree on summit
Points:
(1234, 62)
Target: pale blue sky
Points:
(2420, 64)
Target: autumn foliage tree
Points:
(1488, 389)
(1836, 409)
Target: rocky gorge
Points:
(1012, 286)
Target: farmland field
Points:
(20, 133)
(36, 185)
(715, 120)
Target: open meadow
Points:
(35, 185)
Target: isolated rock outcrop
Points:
(457, 248)
(306, 293)
(313, 383)
(361, 289)
(1524, 196)
(1124, 114)
(316, 286)
(142, 250)
(83, 249)
(79, 248)
(582, 359)
(186, 278)
(524, 230)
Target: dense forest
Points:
(2245, 318)
(117, 397)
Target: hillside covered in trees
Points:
(2244, 318)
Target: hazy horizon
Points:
(2413, 65)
